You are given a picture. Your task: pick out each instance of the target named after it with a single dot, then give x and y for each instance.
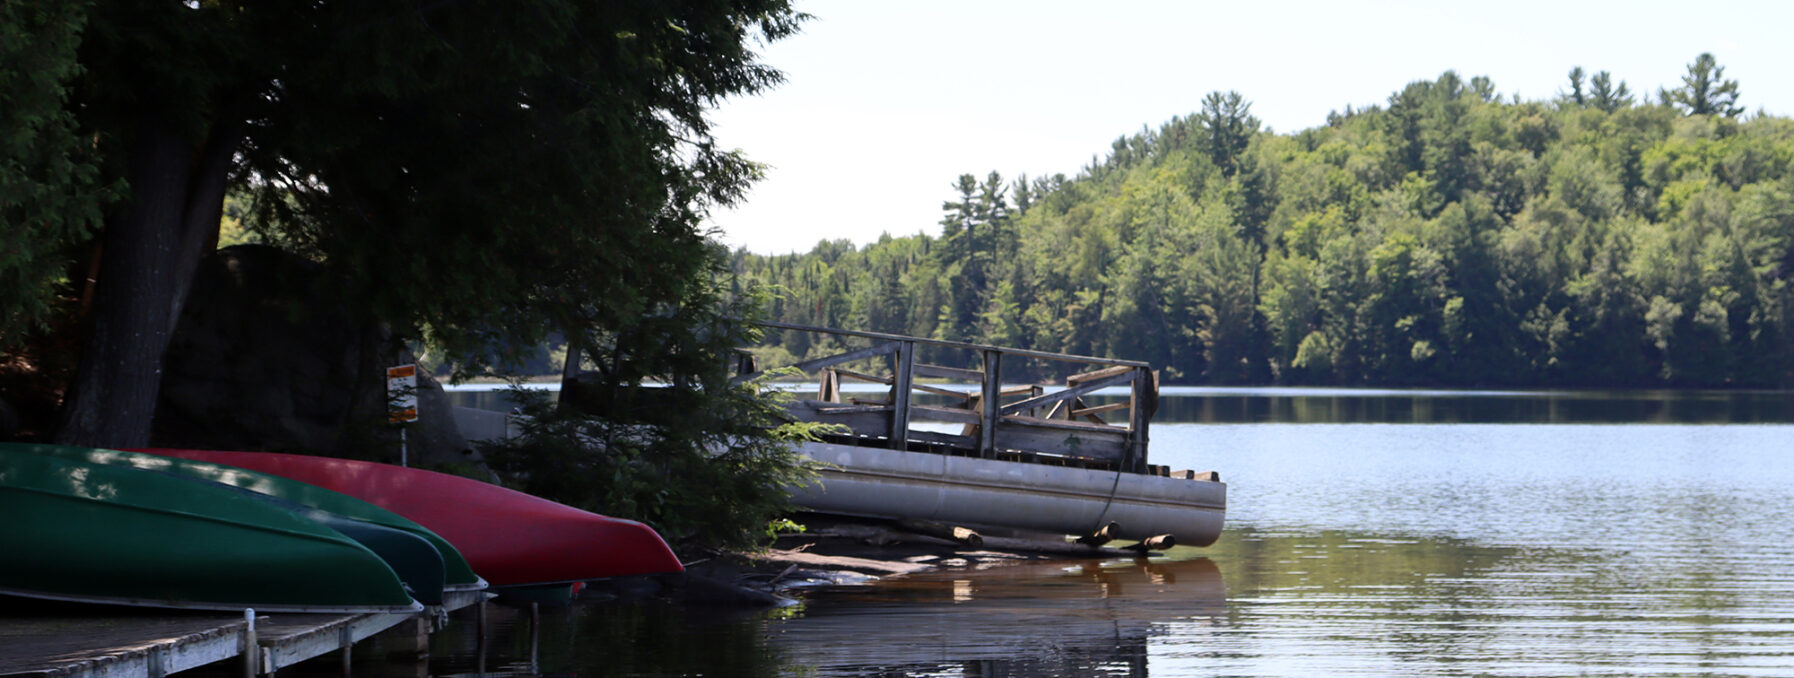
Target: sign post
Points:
(401, 402)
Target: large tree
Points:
(481, 172)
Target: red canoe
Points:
(508, 537)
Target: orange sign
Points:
(401, 394)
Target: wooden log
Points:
(953, 533)
(1056, 548)
(1039, 546)
(830, 390)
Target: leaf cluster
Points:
(658, 433)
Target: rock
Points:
(264, 359)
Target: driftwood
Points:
(953, 533)
(878, 535)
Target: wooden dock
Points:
(97, 642)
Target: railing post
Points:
(993, 407)
(903, 366)
(1139, 419)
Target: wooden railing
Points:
(1034, 422)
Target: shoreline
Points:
(839, 552)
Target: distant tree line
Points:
(1451, 236)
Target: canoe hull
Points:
(975, 492)
(510, 538)
(457, 575)
(97, 533)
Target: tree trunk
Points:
(152, 246)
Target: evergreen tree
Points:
(1608, 97)
(1575, 95)
(1705, 91)
(1227, 128)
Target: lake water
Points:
(1369, 533)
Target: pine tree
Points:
(1705, 91)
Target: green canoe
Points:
(75, 530)
(455, 574)
(413, 558)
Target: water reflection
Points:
(1051, 618)
(1259, 602)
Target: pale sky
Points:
(886, 103)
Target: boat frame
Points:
(1028, 456)
(1026, 422)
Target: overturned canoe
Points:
(510, 538)
(357, 519)
(115, 534)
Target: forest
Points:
(1451, 236)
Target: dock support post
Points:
(480, 636)
(535, 637)
(903, 371)
(992, 401)
(345, 640)
(251, 649)
(157, 662)
(1142, 401)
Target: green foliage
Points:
(52, 193)
(657, 432)
(722, 497)
(476, 174)
(1449, 237)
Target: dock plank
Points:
(85, 645)
(76, 641)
